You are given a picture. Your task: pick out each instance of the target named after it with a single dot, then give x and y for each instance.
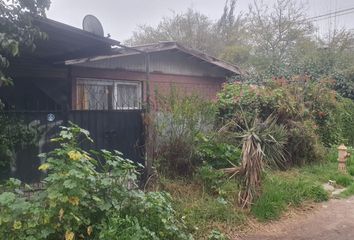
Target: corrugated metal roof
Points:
(67, 42)
(160, 47)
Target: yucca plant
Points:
(262, 145)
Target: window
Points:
(95, 94)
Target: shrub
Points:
(177, 123)
(217, 152)
(14, 135)
(81, 202)
(303, 145)
(313, 114)
(345, 116)
(215, 182)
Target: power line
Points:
(338, 15)
(343, 11)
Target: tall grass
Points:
(280, 192)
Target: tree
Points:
(231, 32)
(17, 31)
(190, 28)
(230, 28)
(275, 32)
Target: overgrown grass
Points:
(326, 172)
(291, 188)
(283, 190)
(203, 212)
(348, 192)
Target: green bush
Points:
(216, 153)
(279, 192)
(210, 178)
(345, 115)
(14, 136)
(313, 114)
(81, 202)
(304, 145)
(351, 170)
(177, 123)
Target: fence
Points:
(111, 130)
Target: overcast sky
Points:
(121, 17)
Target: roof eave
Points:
(83, 33)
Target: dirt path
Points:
(333, 220)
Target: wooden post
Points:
(148, 123)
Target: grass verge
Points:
(205, 211)
(281, 191)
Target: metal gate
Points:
(121, 130)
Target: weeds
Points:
(280, 192)
(203, 212)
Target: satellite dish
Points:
(93, 25)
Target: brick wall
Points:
(206, 87)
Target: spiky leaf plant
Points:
(262, 145)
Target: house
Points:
(101, 85)
(170, 64)
(78, 70)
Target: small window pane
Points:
(93, 94)
(127, 96)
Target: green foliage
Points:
(14, 135)
(177, 124)
(216, 235)
(202, 211)
(343, 180)
(239, 55)
(304, 145)
(313, 114)
(351, 170)
(348, 192)
(326, 172)
(216, 152)
(211, 179)
(345, 118)
(81, 202)
(344, 82)
(280, 191)
(17, 31)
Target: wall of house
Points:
(37, 86)
(206, 87)
(167, 62)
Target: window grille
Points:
(95, 94)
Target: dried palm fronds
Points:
(252, 168)
(262, 145)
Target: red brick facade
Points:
(206, 87)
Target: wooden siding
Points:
(167, 62)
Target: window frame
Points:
(114, 83)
